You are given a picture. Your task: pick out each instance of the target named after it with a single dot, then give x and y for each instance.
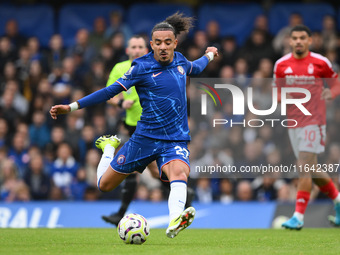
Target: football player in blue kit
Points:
(162, 133)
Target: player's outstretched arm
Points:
(214, 53)
(198, 65)
(59, 109)
(97, 97)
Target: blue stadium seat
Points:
(312, 15)
(234, 19)
(143, 17)
(72, 17)
(33, 20)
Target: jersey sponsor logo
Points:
(310, 68)
(300, 80)
(155, 75)
(121, 160)
(288, 70)
(180, 70)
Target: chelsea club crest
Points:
(180, 70)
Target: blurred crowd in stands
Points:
(43, 159)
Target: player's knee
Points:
(104, 186)
(181, 174)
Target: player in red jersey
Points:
(305, 69)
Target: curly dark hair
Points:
(176, 23)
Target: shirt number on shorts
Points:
(182, 151)
(310, 135)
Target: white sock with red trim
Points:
(177, 198)
(105, 161)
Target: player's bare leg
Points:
(326, 186)
(153, 168)
(166, 185)
(304, 189)
(107, 178)
(177, 172)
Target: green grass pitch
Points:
(190, 241)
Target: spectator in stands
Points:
(4, 137)
(9, 73)
(117, 44)
(57, 138)
(56, 51)
(266, 67)
(23, 63)
(12, 187)
(91, 163)
(261, 23)
(36, 179)
(42, 99)
(61, 79)
(156, 195)
(91, 193)
(333, 154)
(78, 185)
(96, 78)
(12, 32)
(19, 102)
(18, 152)
(333, 58)
(230, 51)
(142, 193)
(117, 25)
(226, 191)
(318, 45)
(35, 75)
(83, 47)
(8, 111)
(107, 56)
(265, 188)
(33, 46)
(200, 40)
(235, 143)
(97, 36)
(86, 142)
(99, 123)
(73, 127)
(7, 53)
(283, 194)
(213, 34)
(227, 74)
(256, 48)
(204, 191)
(39, 132)
(329, 33)
(281, 40)
(193, 52)
(64, 169)
(241, 73)
(244, 191)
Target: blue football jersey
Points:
(162, 94)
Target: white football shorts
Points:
(309, 138)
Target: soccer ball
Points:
(133, 229)
(277, 222)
